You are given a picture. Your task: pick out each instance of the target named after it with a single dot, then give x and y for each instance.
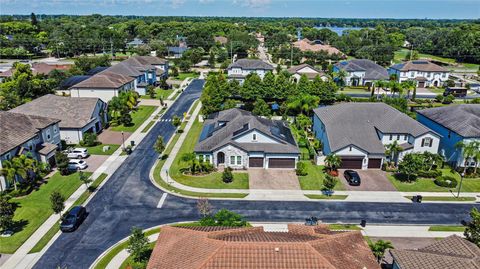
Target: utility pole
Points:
(111, 47)
(231, 50)
(291, 53)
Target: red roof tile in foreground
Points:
(232, 248)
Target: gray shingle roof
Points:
(452, 252)
(73, 112)
(19, 128)
(251, 64)
(356, 124)
(419, 65)
(238, 122)
(372, 70)
(463, 119)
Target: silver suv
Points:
(77, 153)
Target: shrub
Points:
(301, 169)
(429, 174)
(446, 181)
(227, 175)
(89, 140)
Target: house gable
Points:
(255, 136)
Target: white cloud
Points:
(205, 1)
(252, 3)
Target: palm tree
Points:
(469, 151)
(304, 104)
(159, 146)
(333, 161)
(378, 248)
(340, 76)
(392, 151)
(410, 85)
(13, 169)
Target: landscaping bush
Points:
(446, 181)
(301, 169)
(227, 175)
(89, 140)
(430, 174)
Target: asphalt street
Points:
(129, 199)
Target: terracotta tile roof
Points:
(45, 69)
(306, 45)
(232, 248)
(452, 252)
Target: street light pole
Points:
(123, 141)
(460, 186)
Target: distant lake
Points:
(338, 30)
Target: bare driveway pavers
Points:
(273, 179)
(95, 161)
(371, 180)
(112, 137)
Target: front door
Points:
(220, 158)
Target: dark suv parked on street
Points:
(73, 219)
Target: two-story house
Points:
(104, 85)
(455, 123)
(359, 133)
(77, 115)
(28, 134)
(309, 71)
(238, 139)
(361, 72)
(425, 73)
(243, 67)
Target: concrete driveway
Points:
(94, 162)
(273, 179)
(372, 180)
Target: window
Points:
(254, 137)
(350, 148)
(427, 142)
(232, 160)
(48, 134)
(405, 137)
(200, 157)
(7, 156)
(398, 137)
(449, 134)
(239, 160)
(391, 137)
(207, 158)
(55, 130)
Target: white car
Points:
(76, 164)
(77, 153)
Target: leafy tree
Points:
(57, 202)
(304, 103)
(159, 146)
(333, 161)
(301, 169)
(151, 91)
(470, 151)
(211, 59)
(89, 140)
(252, 87)
(84, 63)
(392, 151)
(176, 121)
(84, 178)
(229, 219)
(174, 71)
(138, 245)
(329, 182)
(204, 207)
(62, 162)
(378, 248)
(184, 65)
(7, 211)
(261, 108)
(227, 175)
(410, 165)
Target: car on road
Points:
(73, 219)
(77, 164)
(77, 153)
(352, 177)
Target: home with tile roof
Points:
(301, 247)
(243, 67)
(359, 132)
(307, 45)
(361, 72)
(425, 73)
(77, 115)
(305, 69)
(238, 139)
(452, 252)
(28, 134)
(455, 123)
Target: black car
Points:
(352, 177)
(73, 219)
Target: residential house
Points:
(28, 134)
(300, 247)
(243, 67)
(307, 70)
(37, 69)
(236, 138)
(77, 115)
(104, 85)
(135, 43)
(307, 45)
(361, 72)
(220, 40)
(161, 65)
(425, 73)
(359, 132)
(452, 252)
(455, 123)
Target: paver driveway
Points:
(94, 162)
(372, 180)
(112, 137)
(273, 179)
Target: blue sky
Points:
(466, 9)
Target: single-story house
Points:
(307, 70)
(28, 134)
(455, 123)
(300, 247)
(307, 45)
(240, 69)
(361, 72)
(77, 115)
(452, 252)
(425, 73)
(238, 139)
(359, 132)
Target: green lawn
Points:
(446, 228)
(138, 117)
(176, 95)
(149, 125)
(210, 181)
(34, 209)
(354, 90)
(436, 90)
(326, 197)
(183, 76)
(159, 93)
(427, 185)
(315, 177)
(98, 149)
(344, 227)
(445, 198)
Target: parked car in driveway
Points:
(73, 219)
(352, 177)
(77, 153)
(76, 164)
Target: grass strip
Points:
(344, 227)
(326, 197)
(445, 198)
(441, 228)
(149, 125)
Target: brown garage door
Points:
(281, 163)
(374, 163)
(255, 162)
(351, 163)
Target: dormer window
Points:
(254, 137)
